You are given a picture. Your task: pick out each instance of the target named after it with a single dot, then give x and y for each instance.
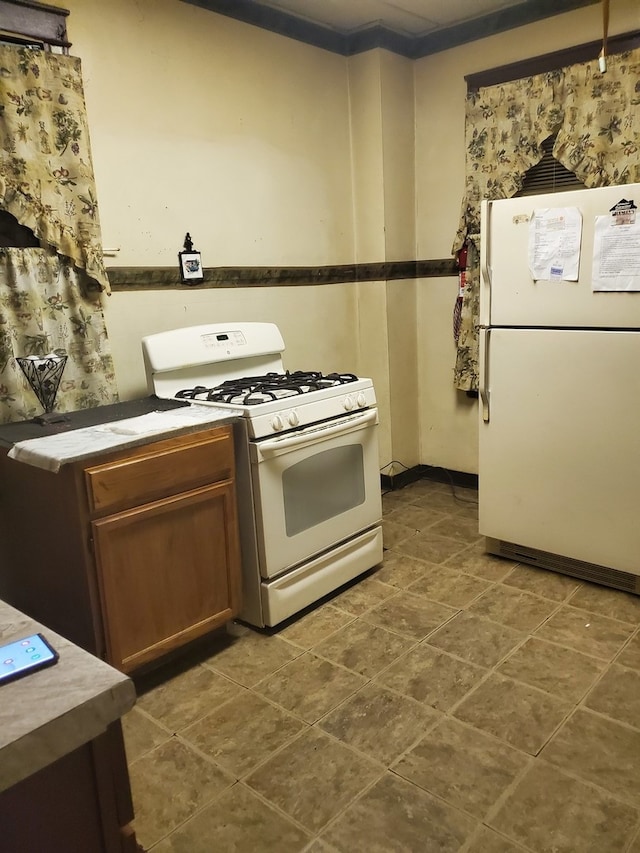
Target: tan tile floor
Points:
(447, 701)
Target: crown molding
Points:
(348, 43)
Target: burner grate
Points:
(253, 390)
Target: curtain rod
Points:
(551, 61)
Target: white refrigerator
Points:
(559, 431)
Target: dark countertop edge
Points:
(12, 433)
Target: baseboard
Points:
(391, 482)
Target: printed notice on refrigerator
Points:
(554, 244)
(616, 255)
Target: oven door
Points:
(314, 489)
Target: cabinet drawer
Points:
(160, 469)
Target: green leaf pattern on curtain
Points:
(44, 308)
(600, 136)
(597, 120)
(46, 172)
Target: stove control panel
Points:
(283, 415)
(223, 340)
(285, 420)
(352, 402)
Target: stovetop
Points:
(255, 390)
(268, 414)
(239, 366)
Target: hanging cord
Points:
(602, 59)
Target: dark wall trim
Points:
(497, 22)
(429, 472)
(277, 22)
(155, 278)
(413, 47)
(551, 61)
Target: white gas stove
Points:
(240, 366)
(310, 511)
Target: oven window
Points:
(323, 486)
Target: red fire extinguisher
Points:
(461, 261)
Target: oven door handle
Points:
(318, 433)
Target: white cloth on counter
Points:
(140, 425)
(52, 451)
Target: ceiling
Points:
(412, 28)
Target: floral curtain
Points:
(50, 296)
(46, 173)
(597, 121)
(505, 128)
(45, 307)
(599, 138)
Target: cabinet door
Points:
(81, 803)
(168, 571)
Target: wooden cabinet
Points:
(80, 803)
(156, 564)
(130, 556)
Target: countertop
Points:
(52, 711)
(105, 428)
(12, 433)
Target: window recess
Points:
(549, 175)
(35, 24)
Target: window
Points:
(15, 235)
(549, 175)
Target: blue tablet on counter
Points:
(25, 655)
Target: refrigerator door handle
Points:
(483, 364)
(485, 263)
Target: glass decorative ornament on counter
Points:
(44, 374)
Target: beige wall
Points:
(205, 124)
(398, 139)
(270, 151)
(367, 163)
(267, 151)
(382, 152)
(448, 419)
(200, 123)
